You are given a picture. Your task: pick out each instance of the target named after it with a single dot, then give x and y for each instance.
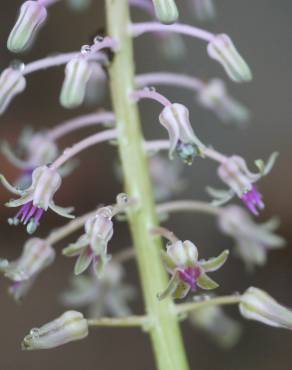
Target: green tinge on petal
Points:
(171, 287)
(215, 263)
(73, 250)
(9, 187)
(205, 282)
(83, 262)
(266, 168)
(181, 290)
(62, 211)
(167, 260)
(166, 11)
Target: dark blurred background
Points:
(262, 32)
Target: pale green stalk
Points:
(164, 330)
(119, 322)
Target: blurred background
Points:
(262, 32)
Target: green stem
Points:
(192, 306)
(164, 332)
(130, 321)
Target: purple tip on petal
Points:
(253, 200)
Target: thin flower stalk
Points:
(131, 321)
(149, 93)
(187, 206)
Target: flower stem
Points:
(188, 206)
(118, 321)
(164, 333)
(192, 306)
(150, 94)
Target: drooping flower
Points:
(222, 49)
(105, 296)
(235, 173)
(215, 97)
(91, 247)
(187, 272)
(36, 199)
(31, 17)
(259, 306)
(175, 118)
(204, 9)
(37, 255)
(253, 241)
(69, 327)
(166, 10)
(212, 320)
(12, 83)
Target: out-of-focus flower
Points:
(166, 10)
(253, 241)
(222, 328)
(258, 305)
(95, 87)
(235, 173)
(12, 83)
(69, 327)
(215, 97)
(187, 272)
(37, 255)
(79, 5)
(204, 9)
(175, 118)
(36, 199)
(31, 17)
(222, 49)
(91, 247)
(105, 296)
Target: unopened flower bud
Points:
(12, 83)
(79, 5)
(166, 10)
(69, 327)
(222, 49)
(204, 9)
(77, 74)
(175, 118)
(258, 305)
(31, 17)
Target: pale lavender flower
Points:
(222, 49)
(255, 304)
(253, 241)
(221, 328)
(91, 247)
(166, 10)
(234, 172)
(36, 199)
(187, 272)
(69, 327)
(215, 97)
(105, 296)
(12, 83)
(37, 255)
(175, 118)
(204, 9)
(31, 17)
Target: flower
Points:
(108, 295)
(175, 118)
(69, 327)
(253, 240)
(91, 247)
(234, 172)
(31, 17)
(222, 49)
(204, 9)
(37, 255)
(188, 273)
(215, 97)
(257, 305)
(79, 5)
(12, 83)
(166, 10)
(36, 199)
(213, 320)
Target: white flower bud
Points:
(183, 253)
(45, 183)
(175, 118)
(166, 10)
(204, 9)
(41, 150)
(31, 17)
(77, 74)
(222, 49)
(69, 327)
(258, 305)
(12, 83)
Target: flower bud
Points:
(79, 5)
(69, 327)
(204, 9)
(166, 10)
(77, 74)
(12, 83)
(183, 253)
(41, 150)
(175, 118)
(222, 49)
(258, 305)
(31, 17)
